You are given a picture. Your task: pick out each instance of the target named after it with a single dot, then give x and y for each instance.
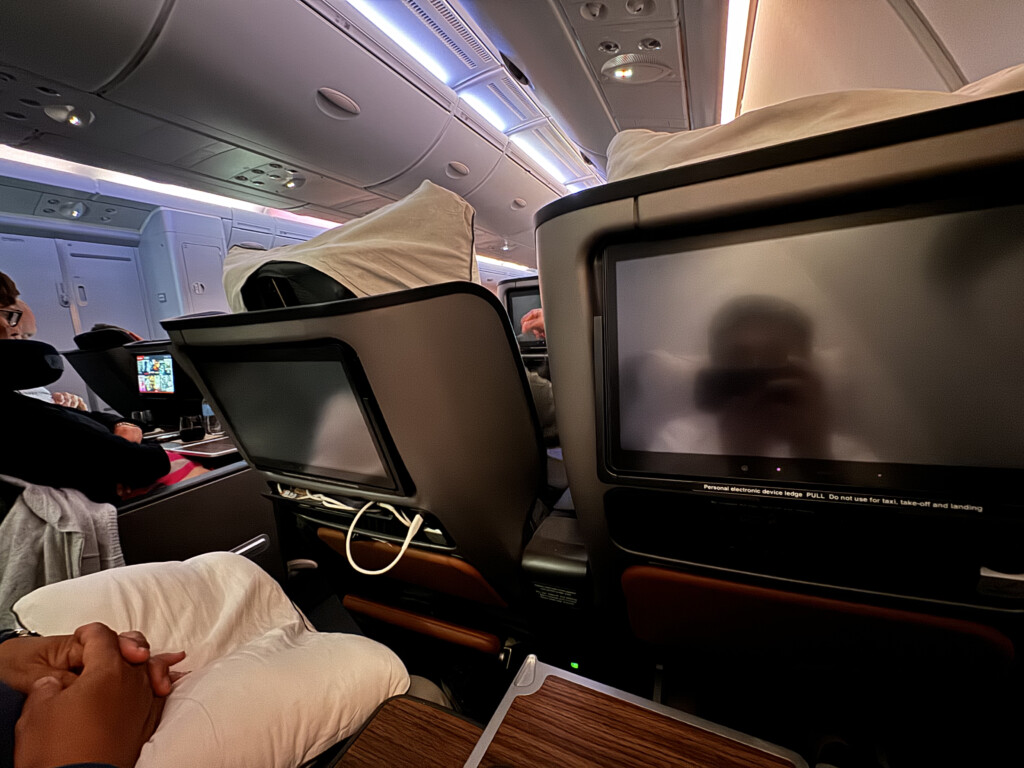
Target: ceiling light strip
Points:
(735, 50)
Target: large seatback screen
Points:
(881, 350)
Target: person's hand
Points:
(24, 660)
(128, 431)
(105, 715)
(70, 400)
(533, 322)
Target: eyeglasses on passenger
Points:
(13, 316)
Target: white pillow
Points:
(265, 689)
(638, 151)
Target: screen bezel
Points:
(316, 350)
(750, 476)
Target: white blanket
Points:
(422, 239)
(638, 151)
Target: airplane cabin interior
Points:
(532, 383)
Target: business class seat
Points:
(454, 434)
(109, 369)
(886, 619)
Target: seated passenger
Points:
(51, 445)
(17, 321)
(532, 327)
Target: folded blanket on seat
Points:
(422, 239)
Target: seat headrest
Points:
(105, 338)
(25, 364)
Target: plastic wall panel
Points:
(253, 73)
(804, 47)
(983, 36)
(458, 144)
(494, 201)
(82, 44)
(179, 250)
(532, 34)
(239, 235)
(35, 266)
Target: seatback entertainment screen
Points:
(302, 409)
(879, 350)
(520, 302)
(156, 374)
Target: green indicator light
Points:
(574, 664)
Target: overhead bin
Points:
(460, 161)
(257, 75)
(85, 45)
(532, 33)
(508, 199)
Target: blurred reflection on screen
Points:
(900, 341)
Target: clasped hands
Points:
(93, 696)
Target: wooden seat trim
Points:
(474, 639)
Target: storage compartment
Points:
(83, 44)
(255, 73)
(460, 161)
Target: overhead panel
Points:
(982, 37)
(499, 101)
(460, 161)
(805, 47)
(368, 203)
(121, 139)
(85, 45)
(704, 23)
(508, 199)
(256, 75)
(637, 60)
(534, 35)
(549, 150)
(429, 31)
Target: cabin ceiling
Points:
(306, 105)
(794, 48)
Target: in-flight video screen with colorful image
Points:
(156, 374)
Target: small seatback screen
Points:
(156, 374)
(520, 302)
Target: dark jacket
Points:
(56, 446)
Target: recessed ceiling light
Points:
(73, 210)
(69, 115)
(635, 68)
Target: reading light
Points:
(635, 68)
(735, 43)
(73, 210)
(69, 114)
(505, 246)
(295, 182)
